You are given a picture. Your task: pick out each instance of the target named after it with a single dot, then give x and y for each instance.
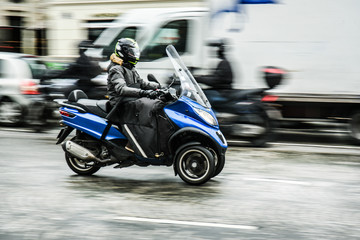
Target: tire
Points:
(354, 127)
(265, 123)
(219, 163)
(255, 128)
(81, 167)
(11, 113)
(195, 165)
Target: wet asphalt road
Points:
(285, 191)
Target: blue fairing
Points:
(183, 115)
(90, 124)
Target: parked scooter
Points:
(193, 142)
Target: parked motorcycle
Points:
(188, 135)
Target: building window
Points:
(173, 33)
(16, 1)
(11, 36)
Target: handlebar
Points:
(167, 94)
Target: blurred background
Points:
(292, 64)
(282, 77)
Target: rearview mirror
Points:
(152, 78)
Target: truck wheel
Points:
(354, 126)
(195, 165)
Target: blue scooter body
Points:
(193, 144)
(181, 113)
(90, 124)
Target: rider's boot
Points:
(129, 148)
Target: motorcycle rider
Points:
(123, 79)
(222, 76)
(124, 83)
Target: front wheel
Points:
(195, 165)
(258, 129)
(219, 162)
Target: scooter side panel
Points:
(183, 120)
(90, 124)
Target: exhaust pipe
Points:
(79, 151)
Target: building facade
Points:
(23, 26)
(56, 27)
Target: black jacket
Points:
(221, 78)
(125, 82)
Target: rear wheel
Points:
(81, 167)
(195, 165)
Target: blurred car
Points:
(60, 88)
(20, 100)
(83, 74)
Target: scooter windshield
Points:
(189, 87)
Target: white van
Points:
(316, 41)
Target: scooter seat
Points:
(104, 105)
(77, 94)
(97, 107)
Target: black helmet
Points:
(128, 50)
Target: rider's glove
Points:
(148, 93)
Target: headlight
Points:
(206, 116)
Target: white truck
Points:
(315, 41)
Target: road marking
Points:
(278, 181)
(234, 142)
(189, 223)
(348, 163)
(315, 145)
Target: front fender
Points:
(186, 123)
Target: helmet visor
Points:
(134, 53)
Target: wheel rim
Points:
(81, 165)
(194, 165)
(10, 112)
